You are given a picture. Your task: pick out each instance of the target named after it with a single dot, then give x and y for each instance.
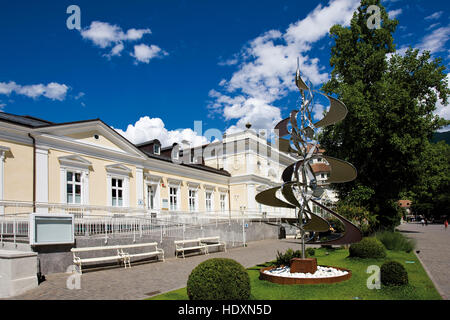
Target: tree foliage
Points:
(390, 100)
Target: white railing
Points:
(107, 222)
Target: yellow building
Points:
(87, 168)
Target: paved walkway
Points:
(151, 277)
(433, 242)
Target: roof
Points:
(147, 143)
(27, 121)
(33, 122)
(320, 167)
(191, 165)
(404, 203)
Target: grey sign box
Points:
(51, 229)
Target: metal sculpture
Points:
(299, 187)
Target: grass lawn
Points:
(420, 286)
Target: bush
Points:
(393, 273)
(368, 248)
(284, 259)
(310, 252)
(396, 241)
(219, 279)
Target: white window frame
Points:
(117, 188)
(194, 199)
(175, 196)
(74, 183)
(75, 164)
(210, 200)
(153, 181)
(118, 171)
(224, 202)
(156, 149)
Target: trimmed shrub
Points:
(396, 241)
(393, 273)
(368, 248)
(310, 252)
(219, 279)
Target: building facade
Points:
(87, 168)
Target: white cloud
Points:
(105, 35)
(56, 91)
(435, 15)
(117, 49)
(435, 41)
(395, 13)
(80, 95)
(146, 129)
(53, 90)
(267, 66)
(144, 53)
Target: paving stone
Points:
(433, 244)
(123, 284)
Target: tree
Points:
(431, 195)
(390, 100)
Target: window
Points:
(151, 197)
(156, 148)
(117, 192)
(73, 182)
(192, 200)
(173, 198)
(223, 198)
(319, 159)
(208, 201)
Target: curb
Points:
(440, 291)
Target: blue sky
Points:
(152, 68)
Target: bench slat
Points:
(100, 259)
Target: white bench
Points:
(213, 242)
(77, 260)
(154, 251)
(192, 244)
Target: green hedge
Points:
(219, 279)
(393, 273)
(368, 248)
(396, 241)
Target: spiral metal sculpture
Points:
(299, 187)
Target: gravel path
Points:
(433, 243)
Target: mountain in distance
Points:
(438, 136)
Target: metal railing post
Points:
(14, 230)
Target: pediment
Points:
(92, 133)
(118, 169)
(74, 161)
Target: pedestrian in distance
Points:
(446, 224)
(422, 222)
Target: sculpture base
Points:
(276, 278)
(307, 265)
